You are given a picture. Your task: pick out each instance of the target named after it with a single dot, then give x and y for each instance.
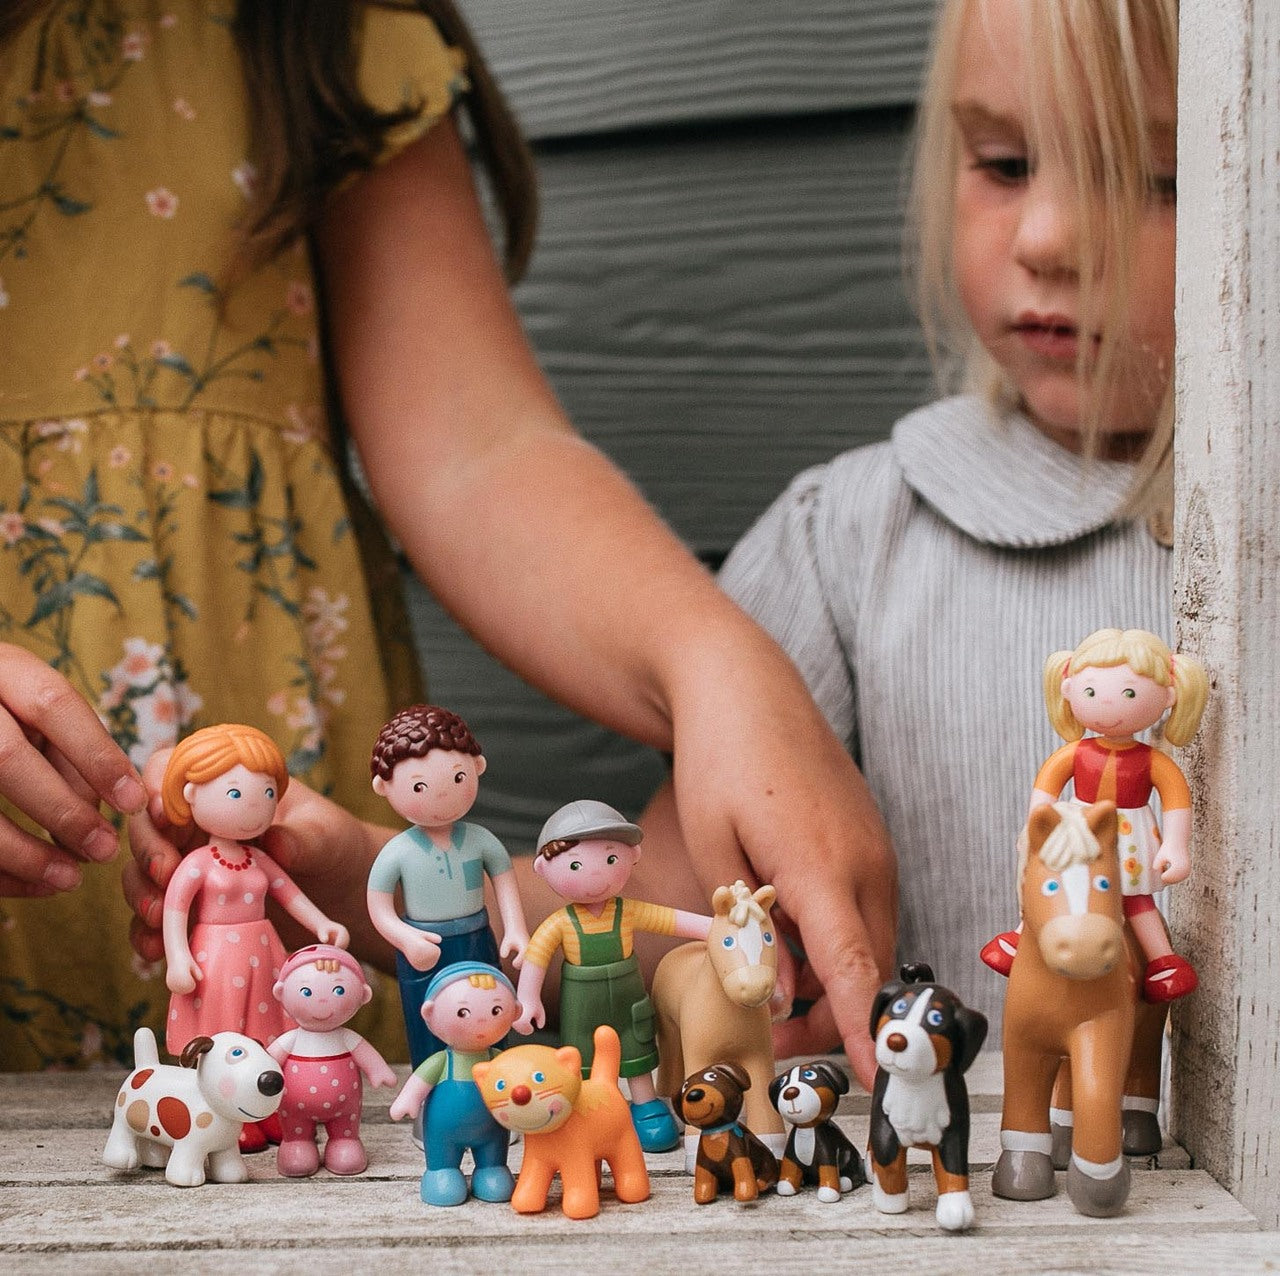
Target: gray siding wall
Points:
(717, 293)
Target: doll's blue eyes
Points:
(236, 1052)
(899, 1006)
(539, 1078)
(499, 1086)
(339, 991)
(934, 1019)
(269, 791)
(768, 937)
(306, 992)
(233, 793)
(728, 941)
(1101, 883)
(1051, 887)
(809, 1075)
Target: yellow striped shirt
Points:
(557, 931)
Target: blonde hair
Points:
(211, 752)
(1087, 59)
(1147, 656)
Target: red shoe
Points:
(998, 953)
(252, 1137)
(1169, 978)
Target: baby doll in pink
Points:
(323, 1062)
(228, 780)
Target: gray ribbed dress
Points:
(919, 584)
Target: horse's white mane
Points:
(745, 908)
(1071, 841)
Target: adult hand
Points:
(57, 762)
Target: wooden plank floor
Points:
(62, 1210)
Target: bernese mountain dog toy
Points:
(818, 1151)
(925, 1040)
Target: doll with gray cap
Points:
(586, 854)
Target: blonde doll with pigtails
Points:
(1116, 683)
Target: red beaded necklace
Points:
(231, 864)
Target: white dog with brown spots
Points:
(182, 1117)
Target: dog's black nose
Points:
(270, 1083)
(791, 1092)
(696, 1095)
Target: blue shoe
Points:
(492, 1183)
(443, 1187)
(655, 1125)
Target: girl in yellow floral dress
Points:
(220, 224)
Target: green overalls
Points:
(607, 988)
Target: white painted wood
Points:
(574, 67)
(1227, 1051)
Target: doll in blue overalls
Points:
(455, 1117)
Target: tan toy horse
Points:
(712, 1001)
(1072, 996)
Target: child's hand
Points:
(324, 848)
(1173, 863)
(766, 793)
(57, 762)
(334, 933)
(184, 975)
(531, 1017)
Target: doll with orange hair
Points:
(1116, 683)
(228, 780)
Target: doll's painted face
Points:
(466, 1017)
(239, 804)
(591, 872)
(320, 999)
(435, 790)
(1116, 701)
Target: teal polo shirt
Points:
(439, 885)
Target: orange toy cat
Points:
(569, 1125)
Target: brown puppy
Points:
(729, 1155)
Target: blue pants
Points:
(456, 1119)
(464, 939)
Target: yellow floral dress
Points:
(175, 534)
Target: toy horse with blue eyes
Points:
(1072, 1000)
(712, 1003)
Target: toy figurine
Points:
(228, 781)
(321, 987)
(427, 765)
(1072, 992)
(713, 1005)
(729, 1155)
(925, 1041)
(818, 1151)
(586, 852)
(1117, 683)
(570, 1124)
(471, 1007)
(182, 1117)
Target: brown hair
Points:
(414, 732)
(557, 846)
(313, 127)
(212, 752)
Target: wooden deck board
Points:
(62, 1210)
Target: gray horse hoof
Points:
(1061, 1153)
(1142, 1135)
(1098, 1198)
(1023, 1176)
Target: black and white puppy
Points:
(818, 1151)
(925, 1040)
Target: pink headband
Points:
(319, 952)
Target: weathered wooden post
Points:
(1227, 1039)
